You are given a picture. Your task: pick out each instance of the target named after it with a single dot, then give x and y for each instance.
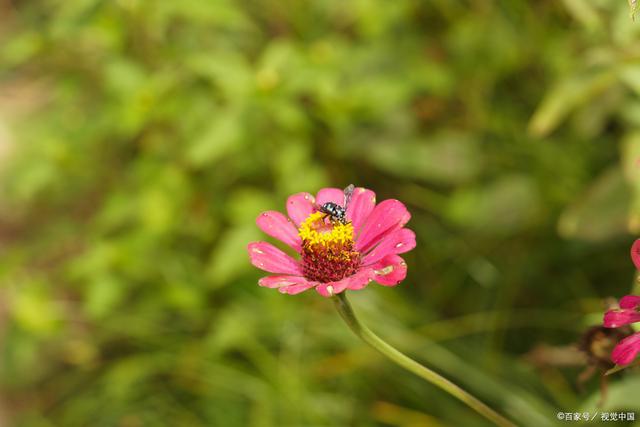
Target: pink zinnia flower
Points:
(629, 312)
(334, 255)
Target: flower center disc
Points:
(327, 249)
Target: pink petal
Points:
(389, 271)
(354, 282)
(626, 350)
(332, 288)
(386, 217)
(362, 203)
(277, 225)
(630, 301)
(291, 285)
(635, 253)
(334, 195)
(267, 257)
(361, 279)
(397, 242)
(617, 318)
(300, 206)
(296, 289)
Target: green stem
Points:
(344, 308)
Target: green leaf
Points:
(599, 213)
(621, 395)
(449, 158)
(35, 310)
(566, 97)
(633, 8)
(102, 296)
(631, 167)
(220, 138)
(585, 13)
(230, 257)
(502, 207)
(615, 369)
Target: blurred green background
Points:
(140, 139)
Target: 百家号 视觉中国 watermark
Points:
(597, 416)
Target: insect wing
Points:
(347, 195)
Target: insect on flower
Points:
(334, 210)
(344, 241)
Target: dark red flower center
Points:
(328, 253)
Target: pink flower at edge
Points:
(334, 256)
(626, 350)
(629, 312)
(635, 253)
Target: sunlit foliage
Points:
(139, 139)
